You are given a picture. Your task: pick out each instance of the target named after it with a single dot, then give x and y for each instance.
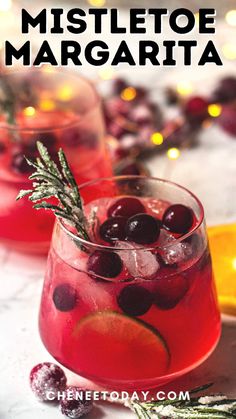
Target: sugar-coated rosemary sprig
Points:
(206, 407)
(49, 181)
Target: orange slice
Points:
(223, 250)
(113, 345)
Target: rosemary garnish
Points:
(50, 182)
(206, 407)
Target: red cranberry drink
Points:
(59, 110)
(136, 305)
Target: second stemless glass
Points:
(60, 110)
(150, 324)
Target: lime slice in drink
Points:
(116, 346)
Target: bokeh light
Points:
(29, 111)
(196, 15)
(47, 105)
(234, 263)
(65, 93)
(230, 17)
(5, 5)
(173, 153)
(128, 94)
(97, 3)
(106, 73)
(214, 110)
(229, 51)
(157, 138)
(184, 88)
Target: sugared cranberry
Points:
(143, 229)
(105, 264)
(46, 380)
(113, 229)
(75, 405)
(196, 109)
(170, 291)
(20, 165)
(65, 297)
(135, 300)
(178, 219)
(126, 207)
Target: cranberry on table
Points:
(170, 291)
(46, 380)
(126, 207)
(178, 219)
(113, 229)
(135, 300)
(65, 297)
(143, 229)
(104, 263)
(75, 404)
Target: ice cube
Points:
(94, 293)
(177, 252)
(157, 207)
(165, 238)
(140, 263)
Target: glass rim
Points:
(97, 246)
(76, 121)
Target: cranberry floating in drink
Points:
(57, 109)
(129, 289)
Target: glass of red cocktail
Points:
(60, 110)
(137, 306)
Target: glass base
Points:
(139, 385)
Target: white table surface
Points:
(208, 170)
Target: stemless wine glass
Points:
(128, 315)
(59, 109)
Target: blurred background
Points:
(177, 123)
(209, 168)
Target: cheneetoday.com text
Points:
(121, 396)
